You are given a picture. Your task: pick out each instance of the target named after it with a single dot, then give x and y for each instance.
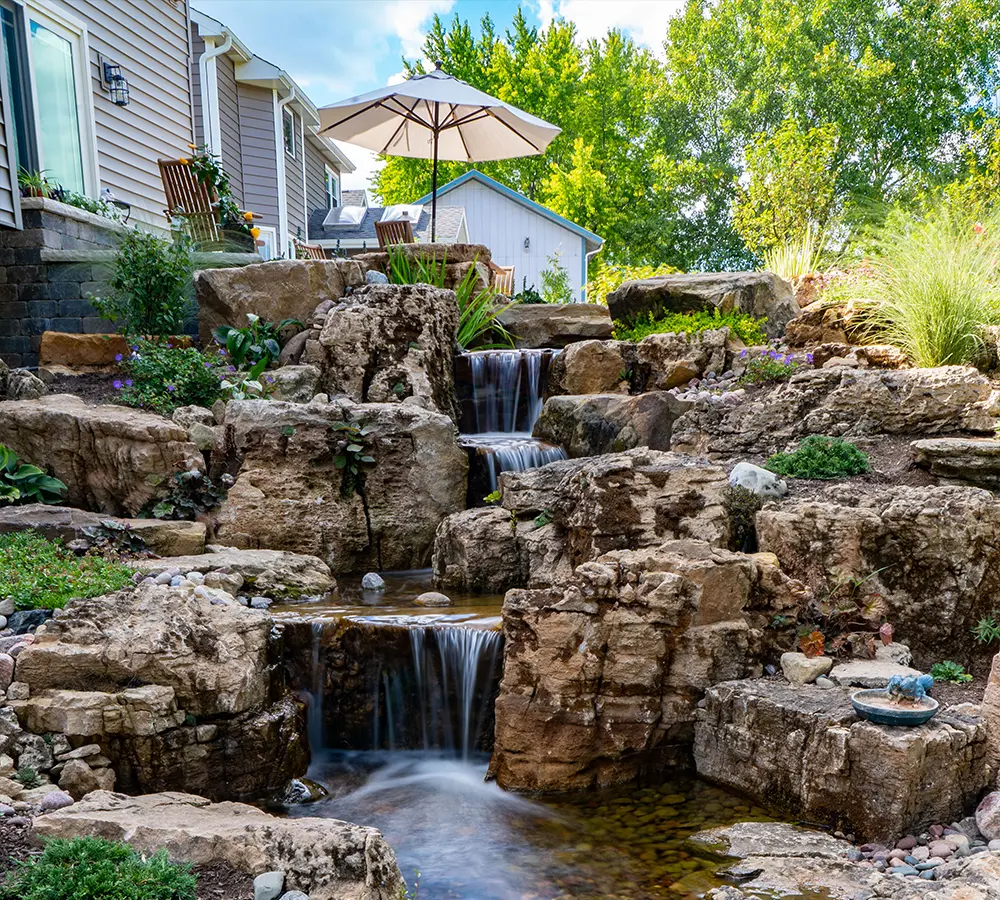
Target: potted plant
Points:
(33, 184)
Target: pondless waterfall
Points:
(502, 392)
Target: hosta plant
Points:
(23, 483)
(257, 342)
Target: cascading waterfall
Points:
(505, 394)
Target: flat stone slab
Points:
(537, 325)
(972, 460)
(804, 749)
(869, 673)
(769, 839)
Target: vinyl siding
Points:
(149, 40)
(260, 171)
(315, 178)
(502, 225)
(229, 120)
(294, 190)
(197, 49)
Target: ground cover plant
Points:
(819, 457)
(162, 377)
(24, 483)
(745, 327)
(772, 367)
(951, 672)
(40, 574)
(87, 868)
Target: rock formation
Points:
(537, 325)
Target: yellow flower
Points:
(255, 232)
(248, 216)
(185, 161)
(192, 146)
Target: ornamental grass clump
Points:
(820, 458)
(934, 286)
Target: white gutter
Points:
(211, 121)
(586, 268)
(279, 159)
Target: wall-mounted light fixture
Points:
(115, 83)
(527, 244)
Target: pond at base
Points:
(469, 840)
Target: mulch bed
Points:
(96, 388)
(952, 694)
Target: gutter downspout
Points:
(586, 268)
(279, 159)
(210, 95)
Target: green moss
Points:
(820, 457)
(745, 327)
(39, 574)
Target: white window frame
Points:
(269, 235)
(67, 26)
(288, 111)
(335, 175)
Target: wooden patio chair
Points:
(309, 251)
(503, 279)
(190, 200)
(396, 232)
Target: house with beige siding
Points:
(263, 126)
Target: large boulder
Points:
(593, 424)
(760, 294)
(111, 458)
(536, 325)
(603, 672)
(389, 344)
(804, 748)
(167, 538)
(277, 290)
(843, 402)
(477, 550)
(970, 460)
(325, 858)
(289, 492)
(927, 557)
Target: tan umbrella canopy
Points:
(436, 116)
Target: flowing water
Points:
(504, 391)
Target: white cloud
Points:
(407, 19)
(367, 165)
(644, 20)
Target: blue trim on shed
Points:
(511, 194)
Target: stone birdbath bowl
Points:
(879, 706)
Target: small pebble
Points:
(903, 870)
(163, 578)
(6, 810)
(906, 843)
(825, 683)
(928, 874)
(177, 581)
(268, 886)
(196, 577)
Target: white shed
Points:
(518, 231)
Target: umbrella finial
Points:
(437, 64)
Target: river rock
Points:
(372, 581)
(594, 424)
(801, 669)
(78, 779)
(537, 325)
(929, 553)
(390, 344)
(432, 598)
(602, 673)
(326, 858)
(111, 458)
(745, 839)
(164, 537)
(289, 492)
(804, 748)
(759, 294)
(843, 402)
(277, 572)
(277, 290)
(268, 886)
(6, 671)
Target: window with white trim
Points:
(268, 241)
(332, 189)
(288, 126)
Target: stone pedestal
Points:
(804, 748)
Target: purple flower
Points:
(128, 382)
(208, 365)
(135, 348)
(117, 385)
(118, 357)
(270, 379)
(743, 354)
(788, 359)
(170, 346)
(231, 368)
(171, 388)
(809, 358)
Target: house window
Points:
(288, 123)
(268, 239)
(19, 122)
(332, 189)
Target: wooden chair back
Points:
(396, 232)
(190, 200)
(309, 251)
(503, 279)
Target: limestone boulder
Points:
(804, 748)
(297, 384)
(167, 538)
(214, 657)
(390, 344)
(969, 460)
(111, 458)
(325, 858)
(843, 402)
(927, 556)
(146, 710)
(20, 384)
(603, 672)
(78, 779)
(760, 294)
(477, 550)
(536, 325)
(591, 367)
(290, 494)
(276, 290)
(595, 424)
(275, 573)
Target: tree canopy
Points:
(763, 117)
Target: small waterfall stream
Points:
(502, 393)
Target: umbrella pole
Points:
(434, 178)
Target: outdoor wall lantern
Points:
(116, 83)
(527, 244)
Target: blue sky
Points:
(335, 49)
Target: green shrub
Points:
(22, 483)
(162, 377)
(189, 494)
(951, 672)
(932, 287)
(86, 868)
(745, 327)
(820, 457)
(150, 287)
(40, 574)
(527, 294)
(555, 281)
(772, 367)
(609, 278)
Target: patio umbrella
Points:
(436, 116)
